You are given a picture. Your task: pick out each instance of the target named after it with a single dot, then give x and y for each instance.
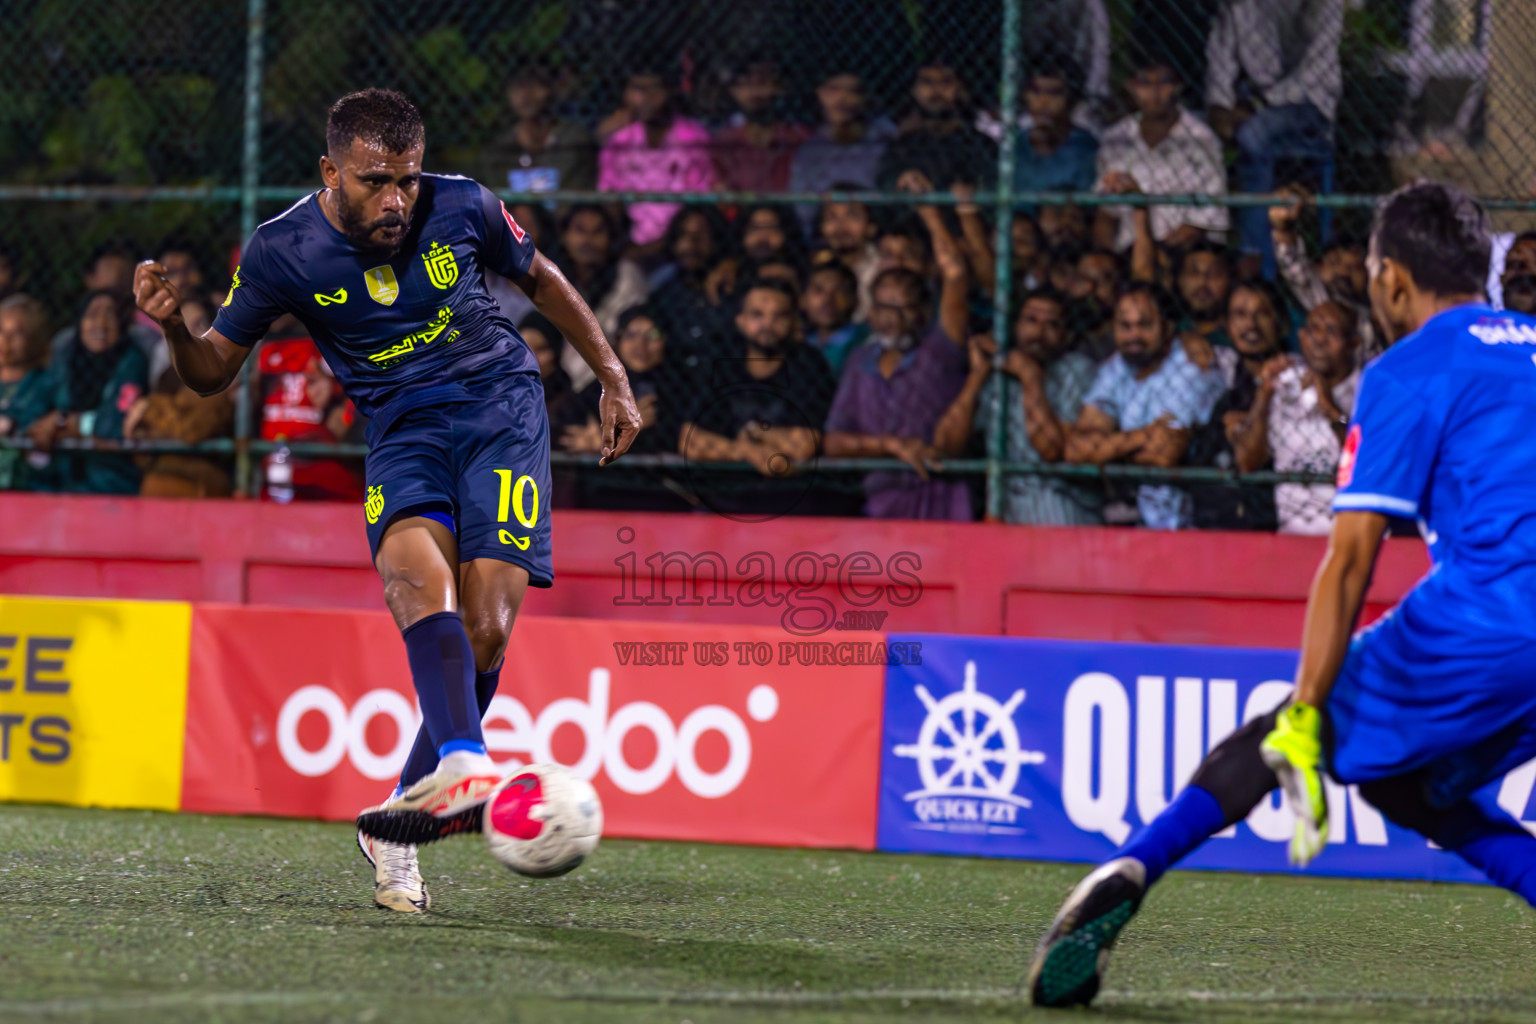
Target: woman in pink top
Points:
(655, 151)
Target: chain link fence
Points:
(926, 212)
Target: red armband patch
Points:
(517, 232)
(1347, 456)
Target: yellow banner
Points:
(93, 701)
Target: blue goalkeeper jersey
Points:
(1444, 431)
(406, 331)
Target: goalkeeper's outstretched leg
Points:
(1229, 783)
(1070, 959)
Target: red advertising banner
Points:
(714, 733)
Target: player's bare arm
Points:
(1334, 604)
(208, 362)
(558, 299)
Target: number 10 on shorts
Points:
(513, 502)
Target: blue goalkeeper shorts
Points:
(1443, 684)
(484, 462)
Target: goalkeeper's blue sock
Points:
(1192, 818)
(423, 756)
(443, 669)
(1499, 847)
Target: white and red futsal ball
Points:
(543, 821)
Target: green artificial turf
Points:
(128, 915)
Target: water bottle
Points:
(280, 476)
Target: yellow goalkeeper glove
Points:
(1293, 752)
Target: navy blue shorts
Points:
(485, 462)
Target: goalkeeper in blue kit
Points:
(1429, 707)
(385, 267)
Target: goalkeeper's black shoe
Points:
(1073, 954)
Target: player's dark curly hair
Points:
(1439, 234)
(381, 118)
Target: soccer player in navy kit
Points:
(384, 267)
(1430, 706)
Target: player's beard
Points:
(360, 232)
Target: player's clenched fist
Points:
(154, 294)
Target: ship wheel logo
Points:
(968, 745)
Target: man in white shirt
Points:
(1273, 83)
(1166, 149)
(1309, 417)
(1300, 414)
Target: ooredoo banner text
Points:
(687, 731)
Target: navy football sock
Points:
(423, 756)
(1192, 818)
(485, 685)
(421, 760)
(443, 669)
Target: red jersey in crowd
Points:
(299, 394)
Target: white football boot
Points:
(449, 801)
(397, 883)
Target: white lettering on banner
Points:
(967, 796)
(1101, 694)
(1188, 717)
(1221, 722)
(511, 729)
(603, 738)
(346, 733)
(1515, 793)
(1105, 812)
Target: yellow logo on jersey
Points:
(382, 284)
(441, 268)
(507, 538)
(327, 300)
(232, 287)
(374, 506)
(426, 336)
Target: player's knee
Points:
(411, 599)
(488, 635)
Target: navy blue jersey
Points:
(392, 329)
(1444, 431)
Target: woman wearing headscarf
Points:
(97, 377)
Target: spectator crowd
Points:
(784, 337)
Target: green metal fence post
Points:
(250, 182)
(1002, 318)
